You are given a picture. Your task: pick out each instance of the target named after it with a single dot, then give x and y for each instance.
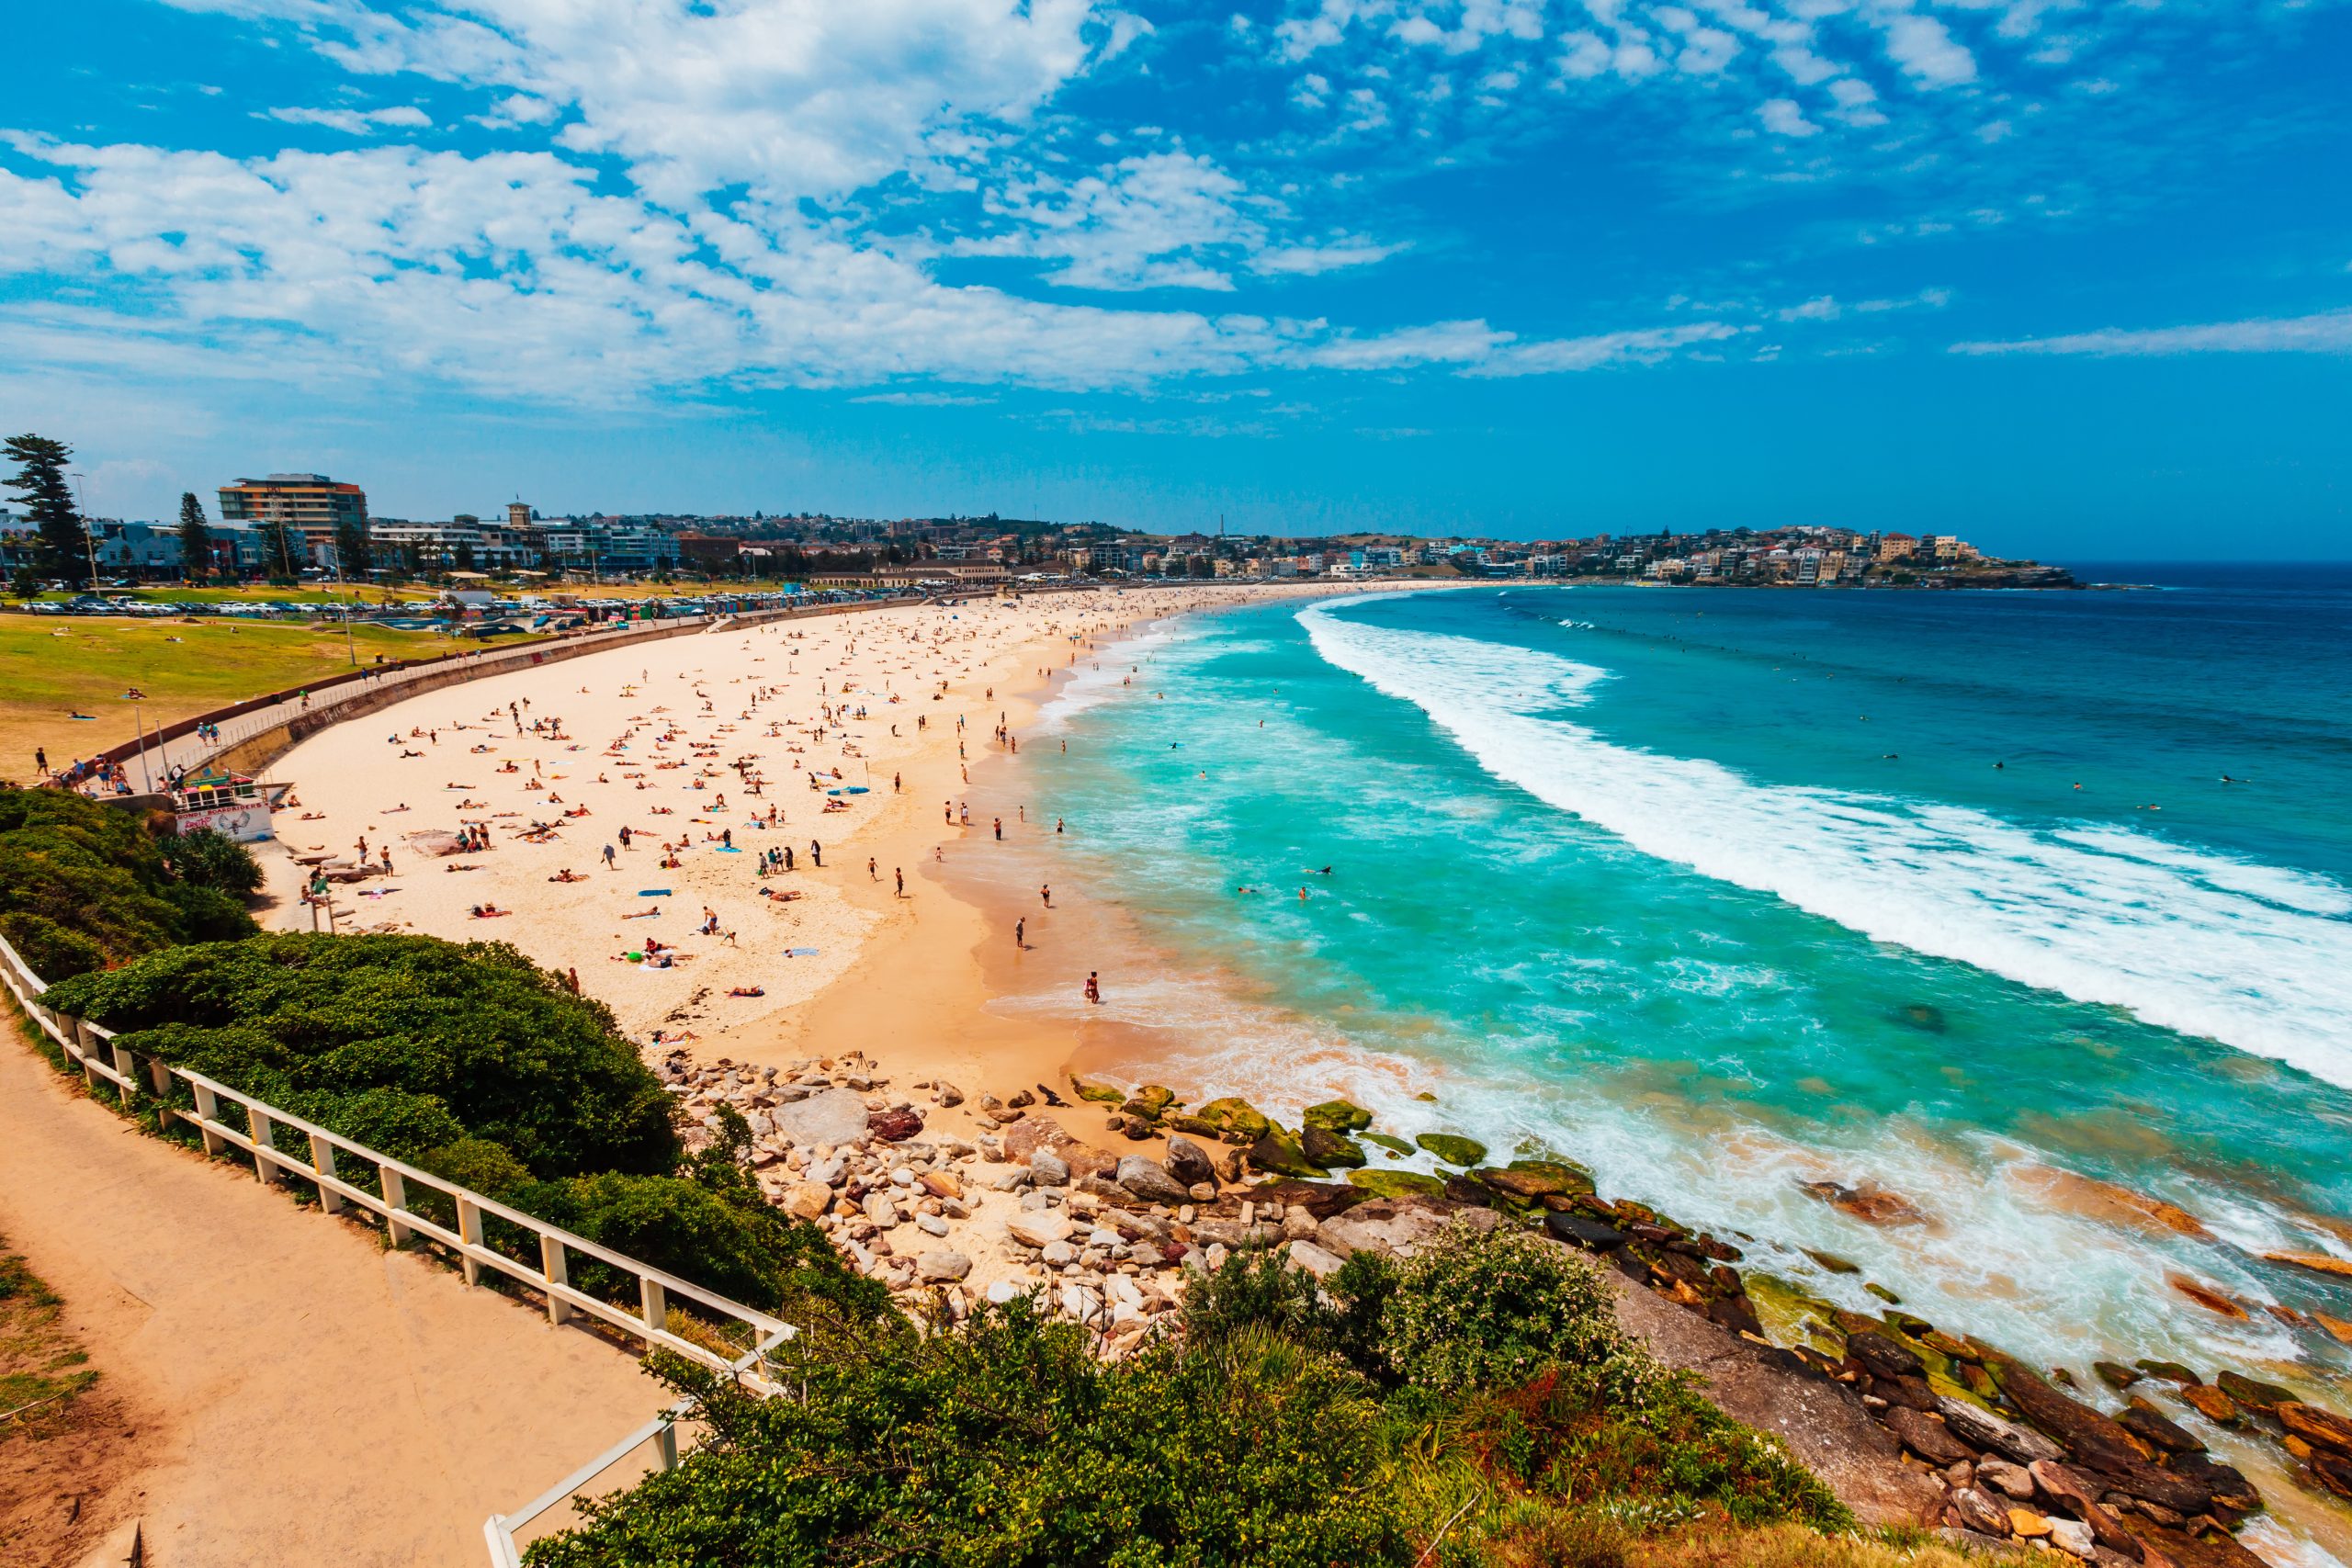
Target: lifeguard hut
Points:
(232, 805)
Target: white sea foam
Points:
(1089, 686)
(2257, 957)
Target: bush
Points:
(204, 858)
(1490, 1311)
(406, 1042)
(72, 867)
(1004, 1442)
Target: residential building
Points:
(312, 507)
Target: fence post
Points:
(395, 1202)
(655, 1303)
(83, 1040)
(159, 1078)
(469, 1231)
(207, 1111)
(553, 1267)
(665, 1442)
(322, 1161)
(264, 1141)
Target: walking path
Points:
(304, 1396)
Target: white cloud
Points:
(357, 122)
(1781, 117)
(2329, 332)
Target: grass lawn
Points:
(50, 667)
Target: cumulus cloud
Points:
(357, 122)
(2329, 332)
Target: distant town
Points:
(310, 529)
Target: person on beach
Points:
(609, 859)
(900, 873)
(1046, 894)
(1020, 933)
(1094, 986)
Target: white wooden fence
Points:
(229, 1119)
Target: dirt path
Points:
(298, 1394)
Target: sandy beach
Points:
(848, 743)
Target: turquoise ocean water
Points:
(1721, 892)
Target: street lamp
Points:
(89, 540)
(134, 696)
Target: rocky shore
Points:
(1013, 1203)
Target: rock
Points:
(2170, 1372)
(940, 1183)
(1868, 1202)
(942, 1267)
(1101, 1093)
(2090, 1437)
(1314, 1260)
(1578, 1231)
(1533, 1180)
(1278, 1152)
(2212, 1299)
(2252, 1394)
(1189, 1163)
(1045, 1132)
(1927, 1437)
(931, 1224)
(1337, 1116)
(1453, 1149)
(1150, 1180)
(2320, 1428)
(1398, 1183)
(1058, 1254)
(2117, 1377)
(1882, 1357)
(1048, 1168)
(2080, 1495)
(1039, 1229)
(1383, 1141)
(2119, 1206)
(1320, 1199)
(2073, 1538)
(834, 1116)
(880, 1210)
(1003, 1291)
(1398, 1226)
(2144, 1421)
(948, 1094)
(1001, 1177)
(807, 1200)
(1832, 1262)
(1977, 1512)
(2027, 1524)
(1235, 1121)
(2317, 1262)
(1981, 1429)
(1151, 1101)
(2011, 1480)
(1328, 1149)
(2212, 1404)
(895, 1126)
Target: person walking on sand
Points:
(1046, 893)
(1000, 829)
(1094, 986)
(608, 857)
(1020, 933)
(899, 874)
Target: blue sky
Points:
(2066, 276)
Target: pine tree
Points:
(280, 555)
(62, 544)
(196, 539)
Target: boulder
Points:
(2074, 1538)
(1453, 1149)
(2092, 1438)
(1150, 1180)
(1383, 1141)
(1189, 1163)
(1882, 1357)
(942, 1267)
(1233, 1119)
(895, 1126)
(2252, 1394)
(2212, 1404)
(1048, 1168)
(1314, 1260)
(2078, 1493)
(1039, 1229)
(833, 1116)
(1399, 1227)
(2144, 1421)
(1320, 1199)
(1976, 1511)
(1328, 1149)
(1278, 1152)
(1102, 1093)
(1981, 1429)
(2320, 1428)
(1532, 1178)
(2009, 1480)
(1927, 1437)
(1337, 1116)
(1578, 1231)
(880, 1210)
(807, 1200)
(1151, 1102)
(1868, 1202)
(1398, 1183)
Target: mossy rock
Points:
(2252, 1394)
(1101, 1092)
(1832, 1262)
(2171, 1371)
(1398, 1183)
(1453, 1149)
(1329, 1148)
(1277, 1151)
(1198, 1127)
(1338, 1116)
(1236, 1121)
(1152, 1100)
(1882, 1294)
(1395, 1145)
(1792, 1317)
(1541, 1177)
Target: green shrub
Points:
(102, 875)
(1484, 1311)
(407, 1043)
(204, 858)
(1005, 1443)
